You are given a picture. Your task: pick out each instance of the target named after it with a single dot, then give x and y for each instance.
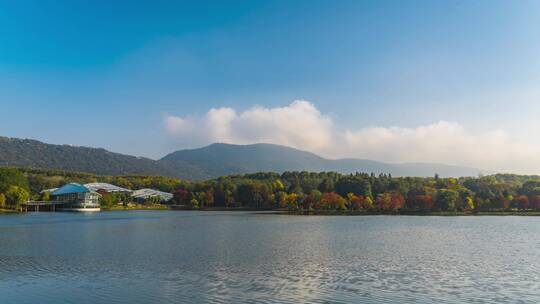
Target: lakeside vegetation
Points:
(17, 185)
(366, 193)
(300, 192)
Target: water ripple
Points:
(193, 257)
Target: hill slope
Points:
(222, 159)
(207, 162)
(32, 153)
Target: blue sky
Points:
(111, 73)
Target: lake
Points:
(243, 257)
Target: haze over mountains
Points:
(202, 163)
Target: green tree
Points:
(354, 185)
(106, 201)
(253, 194)
(446, 199)
(45, 196)
(327, 185)
(15, 196)
(154, 200)
(2, 200)
(12, 177)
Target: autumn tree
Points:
(383, 201)
(289, 201)
(522, 202)
(534, 202)
(354, 202)
(397, 201)
(333, 201)
(312, 200)
(367, 203)
(469, 204)
(194, 204)
(182, 196)
(420, 202)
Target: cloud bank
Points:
(303, 126)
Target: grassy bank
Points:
(7, 210)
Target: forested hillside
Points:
(208, 162)
(29, 153)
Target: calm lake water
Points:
(236, 257)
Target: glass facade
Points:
(79, 200)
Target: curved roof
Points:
(48, 190)
(146, 193)
(106, 187)
(71, 188)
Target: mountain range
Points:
(208, 162)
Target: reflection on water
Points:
(207, 257)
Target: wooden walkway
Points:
(41, 205)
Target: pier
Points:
(37, 206)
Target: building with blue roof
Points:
(77, 197)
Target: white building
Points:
(142, 195)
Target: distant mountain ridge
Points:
(208, 162)
(223, 159)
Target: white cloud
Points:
(299, 124)
(302, 125)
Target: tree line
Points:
(362, 192)
(303, 191)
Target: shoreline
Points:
(340, 213)
(305, 212)
(442, 213)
